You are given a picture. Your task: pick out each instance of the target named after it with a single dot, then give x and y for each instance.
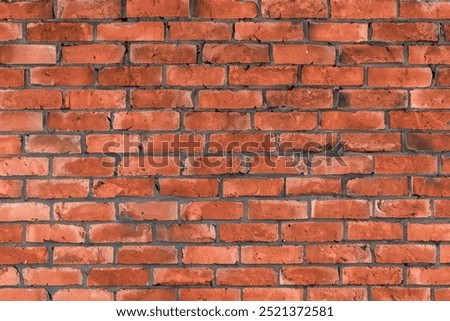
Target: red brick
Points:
(83, 295)
(61, 233)
(441, 294)
(370, 54)
(301, 98)
(424, 10)
(429, 276)
(404, 164)
(83, 255)
(30, 211)
(252, 187)
(428, 232)
(115, 187)
(78, 121)
(206, 294)
(27, 10)
(400, 77)
(24, 166)
(62, 76)
(371, 9)
(89, 166)
(59, 31)
(403, 208)
(93, 54)
(288, 120)
(97, 9)
(294, 9)
(138, 166)
(23, 255)
(147, 295)
(147, 255)
(374, 231)
(332, 76)
(163, 53)
(276, 209)
(377, 186)
(57, 144)
(52, 276)
(188, 187)
(419, 120)
(229, 99)
(262, 76)
(431, 98)
(225, 9)
(84, 211)
(210, 255)
(312, 232)
(199, 30)
(30, 99)
(385, 31)
(400, 294)
(57, 188)
(312, 186)
(11, 144)
(11, 77)
(130, 76)
(235, 53)
(272, 294)
(352, 209)
(358, 253)
(343, 165)
(372, 275)
(425, 55)
(161, 98)
(441, 208)
(158, 8)
(182, 276)
(149, 210)
(304, 54)
(197, 233)
(120, 233)
(10, 189)
(27, 54)
(215, 121)
(309, 275)
(427, 141)
(338, 32)
(146, 120)
(372, 98)
(360, 120)
(131, 31)
(285, 254)
(15, 294)
(9, 276)
(248, 232)
(212, 210)
(10, 31)
(93, 99)
(405, 253)
(337, 294)
(118, 277)
(245, 276)
(268, 31)
(195, 76)
(11, 234)
(371, 142)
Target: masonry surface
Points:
(224, 150)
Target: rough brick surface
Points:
(224, 150)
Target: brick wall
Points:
(224, 149)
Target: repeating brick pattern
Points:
(257, 150)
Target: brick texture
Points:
(224, 150)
